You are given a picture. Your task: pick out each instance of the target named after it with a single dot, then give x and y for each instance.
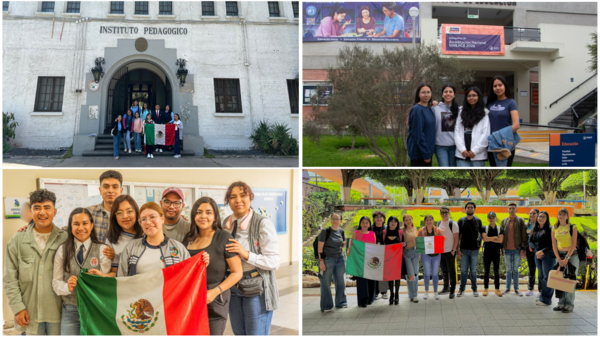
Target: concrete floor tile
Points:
(434, 331)
(476, 330)
(453, 331)
(414, 332)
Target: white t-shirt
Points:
(41, 239)
(151, 260)
(448, 235)
(124, 239)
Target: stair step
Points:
(109, 153)
(530, 140)
(542, 132)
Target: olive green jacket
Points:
(520, 233)
(27, 278)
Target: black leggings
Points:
(365, 290)
(488, 259)
(394, 285)
(532, 268)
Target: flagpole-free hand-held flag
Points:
(171, 301)
(159, 134)
(430, 245)
(374, 262)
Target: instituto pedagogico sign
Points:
(147, 30)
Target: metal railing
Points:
(572, 90)
(577, 130)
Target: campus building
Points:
(71, 67)
(545, 58)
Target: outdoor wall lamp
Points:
(98, 71)
(181, 72)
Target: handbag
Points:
(252, 286)
(557, 281)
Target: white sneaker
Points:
(385, 296)
(330, 310)
(151, 156)
(426, 295)
(130, 151)
(160, 150)
(436, 296)
(148, 155)
(175, 156)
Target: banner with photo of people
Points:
(359, 22)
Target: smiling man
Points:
(28, 269)
(176, 227)
(111, 187)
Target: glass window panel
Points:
(232, 8)
(273, 9)
(5, 6)
(116, 7)
(141, 7)
(165, 7)
(73, 6)
(47, 6)
(208, 8)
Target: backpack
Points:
(478, 222)
(582, 246)
(316, 242)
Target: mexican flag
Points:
(159, 134)
(374, 262)
(430, 245)
(171, 301)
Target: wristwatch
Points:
(453, 251)
(567, 257)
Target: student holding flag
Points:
(431, 261)
(379, 230)
(365, 288)
(411, 258)
(82, 250)
(492, 249)
(393, 235)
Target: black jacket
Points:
(159, 119)
(165, 116)
(115, 128)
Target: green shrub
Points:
(316, 206)
(274, 139)
(9, 125)
(332, 186)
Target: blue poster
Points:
(572, 150)
(272, 203)
(359, 22)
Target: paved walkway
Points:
(235, 161)
(491, 315)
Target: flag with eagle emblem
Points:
(373, 261)
(159, 134)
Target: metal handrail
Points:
(544, 126)
(572, 90)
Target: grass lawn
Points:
(329, 153)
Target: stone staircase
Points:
(104, 147)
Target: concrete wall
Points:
(22, 182)
(214, 47)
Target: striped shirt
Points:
(101, 219)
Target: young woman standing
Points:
(178, 135)
(393, 235)
(471, 131)
(411, 258)
(332, 265)
(421, 129)
(503, 112)
(379, 230)
(431, 262)
(149, 148)
(138, 124)
(117, 134)
(365, 288)
(533, 219)
(564, 245)
(446, 113)
(540, 242)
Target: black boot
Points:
(444, 291)
(396, 301)
(391, 297)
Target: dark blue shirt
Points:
(500, 113)
(421, 133)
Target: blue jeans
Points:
(512, 258)
(116, 144)
(137, 139)
(544, 266)
(567, 298)
(411, 259)
(335, 268)
(47, 329)
(463, 163)
(249, 315)
(127, 140)
(177, 143)
(431, 268)
(468, 260)
(69, 320)
(445, 156)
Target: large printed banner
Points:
(359, 22)
(472, 39)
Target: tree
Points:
(482, 179)
(374, 92)
(504, 182)
(348, 176)
(593, 51)
(419, 178)
(449, 179)
(394, 178)
(549, 180)
(530, 189)
(574, 185)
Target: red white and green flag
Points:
(374, 262)
(171, 301)
(159, 134)
(430, 245)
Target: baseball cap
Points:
(175, 190)
(491, 214)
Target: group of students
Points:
(545, 247)
(116, 238)
(131, 128)
(467, 135)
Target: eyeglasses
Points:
(175, 204)
(443, 213)
(129, 213)
(149, 219)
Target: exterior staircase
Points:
(104, 147)
(579, 111)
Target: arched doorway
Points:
(138, 81)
